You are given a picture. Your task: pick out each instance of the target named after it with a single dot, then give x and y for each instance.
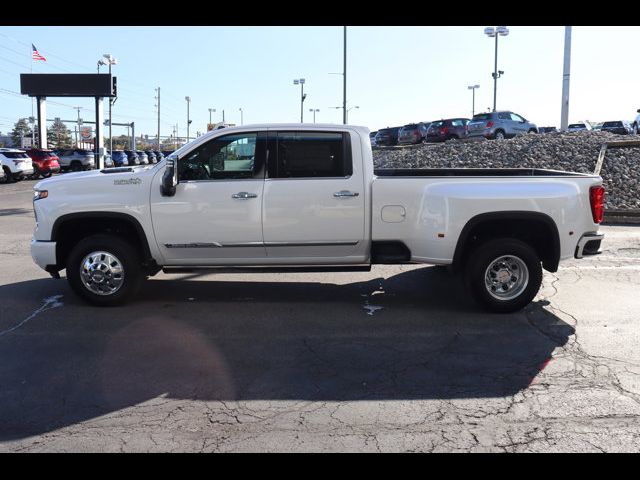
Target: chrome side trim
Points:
(310, 244)
(258, 244)
(193, 245)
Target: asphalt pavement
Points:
(396, 359)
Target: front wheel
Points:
(104, 270)
(499, 135)
(504, 275)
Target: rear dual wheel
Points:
(504, 275)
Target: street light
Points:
(211, 110)
(110, 60)
(314, 110)
(188, 99)
(302, 96)
(473, 104)
(496, 32)
(241, 117)
(348, 110)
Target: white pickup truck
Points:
(306, 197)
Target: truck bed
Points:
(474, 172)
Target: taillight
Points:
(596, 198)
(444, 130)
(489, 124)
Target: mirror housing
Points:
(169, 179)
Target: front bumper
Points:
(589, 244)
(43, 253)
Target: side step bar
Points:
(267, 269)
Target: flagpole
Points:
(33, 125)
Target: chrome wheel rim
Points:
(102, 273)
(500, 136)
(506, 277)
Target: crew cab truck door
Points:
(215, 216)
(314, 197)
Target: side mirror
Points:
(169, 179)
(638, 110)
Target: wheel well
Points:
(536, 229)
(70, 229)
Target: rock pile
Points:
(576, 151)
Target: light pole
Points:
(158, 105)
(302, 97)
(110, 61)
(241, 116)
(314, 110)
(188, 99)
(346, 118)
(211, 110)
(496, 32)
(473, 101)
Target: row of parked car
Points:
(621, 127)
(34, 163)
(492, 125)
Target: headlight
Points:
(40, 194)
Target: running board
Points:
(274, 269)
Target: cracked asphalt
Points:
(306, 362)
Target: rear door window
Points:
(310, 155)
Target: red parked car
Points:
(45, 162)
(451, 128)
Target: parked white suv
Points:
(636, 123)
(16, 164)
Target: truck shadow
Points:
(262, 340)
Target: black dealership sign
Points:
(67, 84)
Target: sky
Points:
(395, 75)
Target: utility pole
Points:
(344, 79)
(188, 99)
(158, 97)
(78, 109)
(564, 116)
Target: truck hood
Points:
(111, 176)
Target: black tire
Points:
(499, 135)
(8, 176)
(532, 131)
(479, 263)
(46, 175)
(76, 166)
(116, 246)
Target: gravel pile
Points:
(576, 152)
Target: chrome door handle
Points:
(345, 193)
(244, 195)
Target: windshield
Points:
(612, 124)
(482, 116)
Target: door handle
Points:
(244, 195)
(345, 193)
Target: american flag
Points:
(35, 55)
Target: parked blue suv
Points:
(120, 159)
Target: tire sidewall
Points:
(487, 253)
(118, 247)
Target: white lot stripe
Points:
(593, 267)
(49, 302)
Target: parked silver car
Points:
(76, 159)
(500, 125)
